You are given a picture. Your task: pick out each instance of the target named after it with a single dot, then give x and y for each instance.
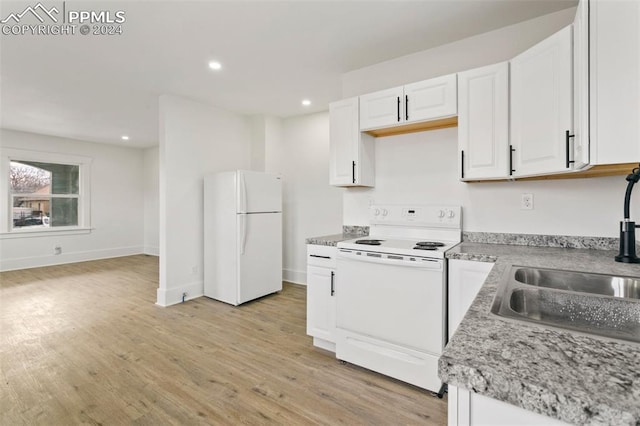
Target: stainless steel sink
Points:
(596, 304)
(606, 285)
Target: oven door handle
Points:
(435, 264)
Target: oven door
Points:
(396, 299)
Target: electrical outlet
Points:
(526, 202)
(195, 269)
(57, 250)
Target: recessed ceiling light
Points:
(214, 65)
(125, 138)
(306, 102)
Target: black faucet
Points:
(627, 227)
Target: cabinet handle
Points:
(398, 108)
(462, 164)
(353, 171)
(406, 107)
(568, 136)
(333, 289)
(511, 150)
(320, 257)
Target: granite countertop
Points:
(348, 233)
(569, 376)
(330, 240)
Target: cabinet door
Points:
(382, 109)
(580, 142)
(343, 141)
(467, 408)
(483, 122)
(351, 152)
(465, 280)
(615, 81)
(321, 305)
(541, 105)
(430, 99)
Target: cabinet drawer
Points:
(324, 256)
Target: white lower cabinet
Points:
(465, 280)
(466, 408)
(470, 409)
(321, 301)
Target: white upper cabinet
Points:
(430, 99)
(351, 152)
(580, 141)
(614, 28)
(483, 122)
(422, 101)
(382, 109)
(541, 106)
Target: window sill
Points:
(40, 233)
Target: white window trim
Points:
(84, 206)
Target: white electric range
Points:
(391, 292)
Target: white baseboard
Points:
(172, 296)
(64, 258)
(294, 276)
(152, 250)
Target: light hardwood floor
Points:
(85, 344)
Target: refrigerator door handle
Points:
(243, 232)
(243, 193)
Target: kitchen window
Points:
(46, 193)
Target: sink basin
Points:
(595, 304)
(606, 285)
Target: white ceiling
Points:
(274, 54)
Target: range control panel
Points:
(416, 215)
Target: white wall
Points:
(422, 167)
(298, 148)
(258, 142)
(116, 205)
(484, 49)
(195, 140)
(151, 201)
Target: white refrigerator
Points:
(242, 235)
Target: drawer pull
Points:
(568, 136)
(320, 257)
(333, 290)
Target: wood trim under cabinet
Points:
(414, 127)
(595, 171)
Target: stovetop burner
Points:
(433, 244)
(425, 248)
(369, 242)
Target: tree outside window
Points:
(44, 194)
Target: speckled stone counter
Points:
(348, 233)
(569, 376)
(329, 240)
